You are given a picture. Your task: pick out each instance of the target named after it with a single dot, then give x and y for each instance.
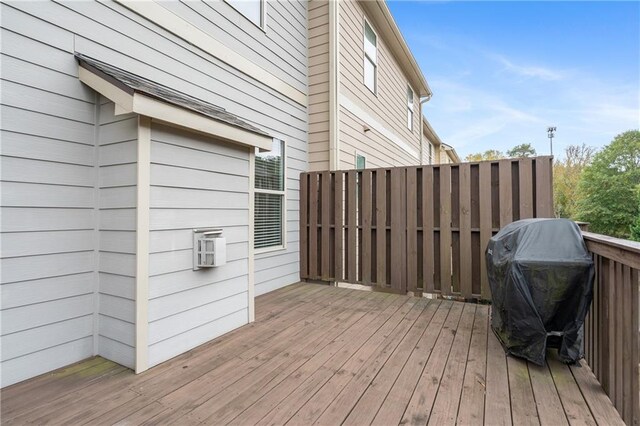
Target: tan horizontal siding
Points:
(378, 150)
(389, 106)
(318, 85)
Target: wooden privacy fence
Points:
(612, 327)
(417, 229)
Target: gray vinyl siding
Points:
(68, 200)
(47, 218)
(196, 182)
(280, 49)
(116, 203)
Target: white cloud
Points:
(529, 70)
(485, 114)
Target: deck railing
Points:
(416, 229)
(612, 328)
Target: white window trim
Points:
(263, 14)
(169, 114)
(365, 57)
(410, 107)
(282, 246)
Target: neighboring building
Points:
(437, 151)
(448, 154)
(365, 89)
(112, 158)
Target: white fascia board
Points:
(122, 99)
(355, 109)
(163, 17)
(170, 114)
(181, 117)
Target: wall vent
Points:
(209, 248)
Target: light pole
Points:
(551, 131)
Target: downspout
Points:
(334, 85)
(423, 100)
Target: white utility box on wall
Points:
(209, 248)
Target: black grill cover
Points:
(541, 277)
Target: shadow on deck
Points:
(330, 356)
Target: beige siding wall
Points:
(387, 107)
(318, 85)
(376, 148)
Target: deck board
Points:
(326, 355)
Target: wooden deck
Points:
(325, 355)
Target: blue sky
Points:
(501, 72)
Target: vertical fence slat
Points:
(352, 229)
(635, 346)
(325, 242)
(611, 329)
(313, 226)
(485, 224)
(397, 231)
(594, 338)
(505, 191)
(465, 231)
(304, 225)
(339, 225)
(526, 188)
(445, 229)
(627, 339)
(607, 341)
(544, 190)
(412, 230)
(427, 230)
(381, 227)
(366, 195)
(619, 336)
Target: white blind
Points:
(269, 197)
(268, 220)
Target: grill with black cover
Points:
(541, 278)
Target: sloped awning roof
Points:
(132, 93)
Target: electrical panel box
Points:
(209, 248)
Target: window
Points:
(409, 108)
(361, 162)
(269, 197)
(370, 58)
(253, 10)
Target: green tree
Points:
(566, 175)
(490, 154)
(635, 226)
(608, 187)
(522, 150)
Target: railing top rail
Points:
(623, 251)
(496, 161)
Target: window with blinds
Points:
(269, 197)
